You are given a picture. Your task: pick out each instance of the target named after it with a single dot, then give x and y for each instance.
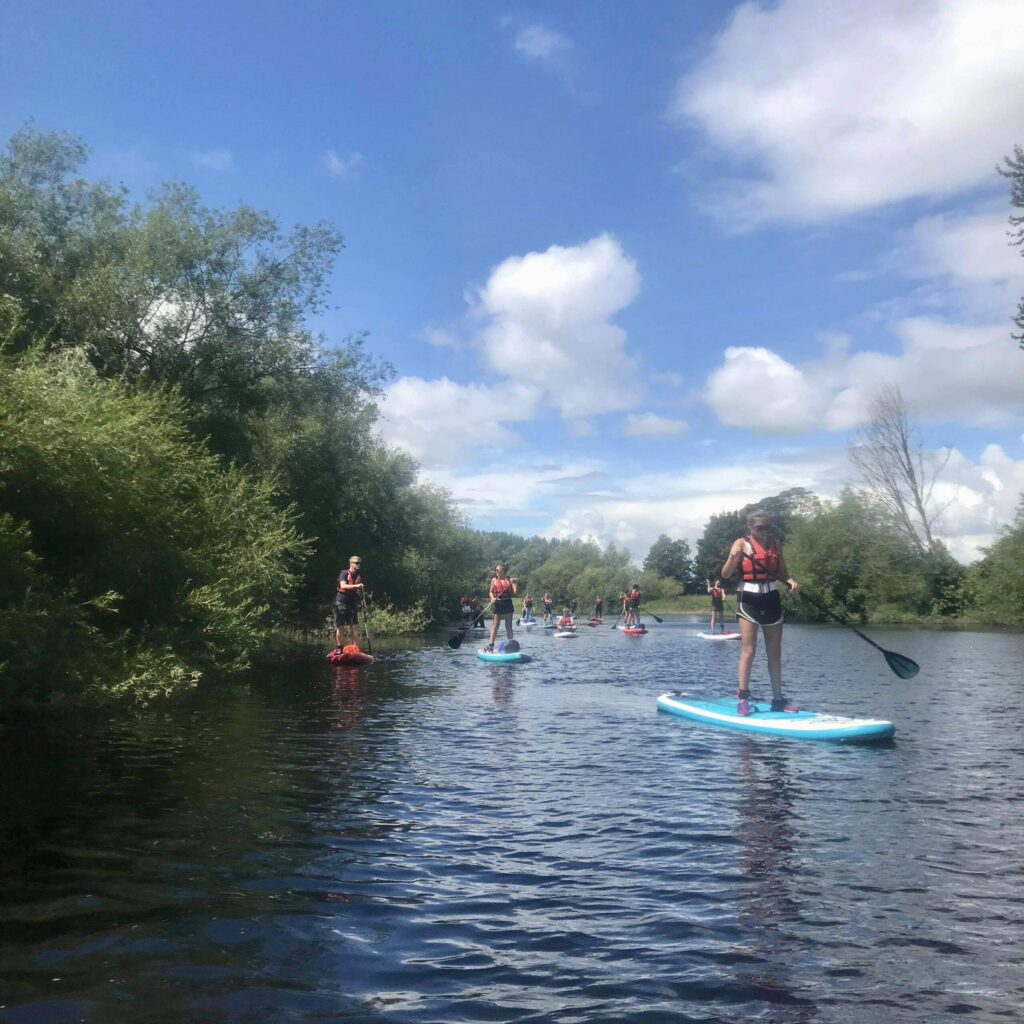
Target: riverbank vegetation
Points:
(185, 464)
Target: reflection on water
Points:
(433, 838)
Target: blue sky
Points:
(633, 264)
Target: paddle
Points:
(455, 640)
(653, 616)
(902, 666)
(366, 622)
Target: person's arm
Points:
(732, 563)
(784, 573)
(515, 585)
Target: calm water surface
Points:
(436, 839)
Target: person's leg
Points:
(748, 645)
(494, 629)
(714, 617)
(508, 626)
(773, 649)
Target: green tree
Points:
(856, 561)
(672, 559)
(996, 581)
(135, 559)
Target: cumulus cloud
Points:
(213, 159)
(545, 321)
(341, 166)
(440, 422)
(947, 372)
(843, 107)
(756, 388)
(649, 424)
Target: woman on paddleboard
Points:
(759, 561)
(502, 591)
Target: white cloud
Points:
(844, 107)
(649, 424)
(341, 166)
(965, 259)
(757, 388)
(540, 43)
(545, 321)
(587, 498)
(947, 373)
(439, 421)
(213, 159)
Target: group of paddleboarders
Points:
(756, 559)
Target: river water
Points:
(436, 839)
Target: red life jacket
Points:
(634, 595)
(501, 588)
(350, 577)
(759, 565)
(717, 592)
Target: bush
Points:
(129, 552)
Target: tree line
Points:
(185, 463)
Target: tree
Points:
(998, 578)
(670, 558)
(897, 472)
(1014, 171)
(132, 559)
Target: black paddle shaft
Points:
(901, 665)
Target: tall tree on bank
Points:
(672, 559)
(1014, 171)
(897, 472)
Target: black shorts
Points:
(503, 606)
(716, 605)
(764, 609)
(345, 616)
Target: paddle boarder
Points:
(503, 588)
(633, 597)
(346, 601)
(717, 604)
(760, 563)
(598, 605)
(467, 613)
(528, 609)
(548, 604)
(566, 621)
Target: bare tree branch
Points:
(896, 470)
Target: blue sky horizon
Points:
(633, 266)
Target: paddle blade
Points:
(903, 667)
(455, 640)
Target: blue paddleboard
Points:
(804, 725)
(500, 654)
